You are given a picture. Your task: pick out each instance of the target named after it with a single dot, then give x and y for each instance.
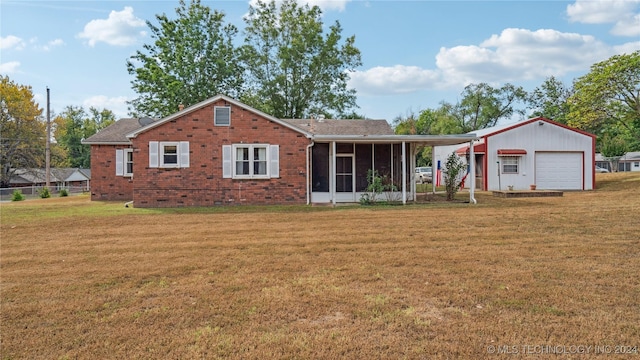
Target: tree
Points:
(192, 59)
(550, 100)
(22, 131)
(294, 70)
(608, 96)
(482, 106)
(73, 126)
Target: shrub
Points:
(44, 193)
(375, 187)
(17, 195)
(63, 192)
(453, 168)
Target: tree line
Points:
(23, 132)
(290, 66)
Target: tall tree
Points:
(608, 97)
(74, 125)
(549, 100)
(295, 70)
(482, 106)
(22, 131)
(192, 58)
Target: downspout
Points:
(309, 188)
(472, 173)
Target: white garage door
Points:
(559, 171)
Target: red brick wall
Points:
(201, 184)
(105, 185)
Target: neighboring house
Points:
(221, 151)
(58, 178)
(628, 162)
(536, 151)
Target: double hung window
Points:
(250, 161)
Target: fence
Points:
(33, 192)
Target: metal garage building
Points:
(536, 151)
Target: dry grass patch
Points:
(96, 280)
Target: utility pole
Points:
(48, 147)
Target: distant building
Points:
(628, 162)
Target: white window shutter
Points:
(226, 161)
(274, 166)
(153, 154)
(184, 154)
(119, 162)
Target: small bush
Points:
(453, 169)
(63, 192)
(17, 195)
(375, 187)
(44, 193)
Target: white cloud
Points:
(11, 42)
(627, 27)
(116, 104)
(515, 55)
(120, 29)
(398, 79)
(327, 5)
(519, 54)
(51, 44)
(627, 48)
(622, 13)
(10, 67)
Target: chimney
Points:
(180, 107)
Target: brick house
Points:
(222, 152)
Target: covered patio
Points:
(338, 165)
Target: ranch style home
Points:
(223, 152)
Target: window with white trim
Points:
(168, 154)
(124, 162)
(221, 115)
(510, 164)
(250, 161)
(128, 162)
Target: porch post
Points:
(332, 174)
(412, 170)
(404, 173)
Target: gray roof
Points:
(342, 127)
(370, 131)
(116, 133)
(38, 175)
(630, 156)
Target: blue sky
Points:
(415, 53)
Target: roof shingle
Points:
(117, 132)
(342, 127)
